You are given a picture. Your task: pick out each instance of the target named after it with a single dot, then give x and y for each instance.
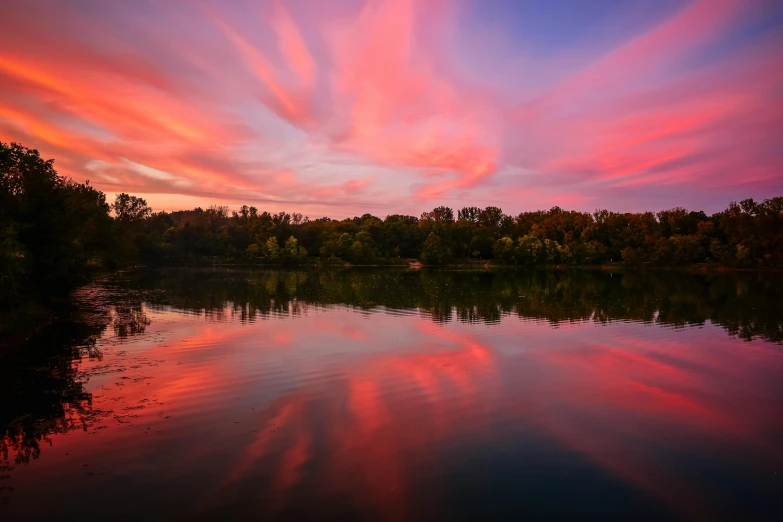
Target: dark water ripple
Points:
(392, 395)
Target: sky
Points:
(338, 108)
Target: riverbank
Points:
(478, 264)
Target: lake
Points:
(382, 394)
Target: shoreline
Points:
(484, 265)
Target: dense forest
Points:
(55, 231)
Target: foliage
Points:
(130, 208)
(293, 253)
(505, 250)
(54, 231)
(745, 235)
(436, 250)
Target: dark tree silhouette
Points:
(54, 232)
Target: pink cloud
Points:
(293, 45)
(380, 99)
(283, 102)
(400, 111)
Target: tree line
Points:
(55, 231)
(745, 235)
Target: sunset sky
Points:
(337, 108)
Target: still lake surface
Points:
(365, 394)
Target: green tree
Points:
(292, 252)
(363, 249)
(436, 250)
(530, 250)
(130, 209)
(253, 250)
(686, 249)
(272, 249)
(53, 231)
(505, 250)
(490, 218)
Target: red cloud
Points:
(222, 104)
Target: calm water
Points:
(397, 395)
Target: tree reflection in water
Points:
(43, 390)
(41, 384)
(744, 304)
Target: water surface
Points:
(400, 395)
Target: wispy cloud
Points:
(399, 105)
